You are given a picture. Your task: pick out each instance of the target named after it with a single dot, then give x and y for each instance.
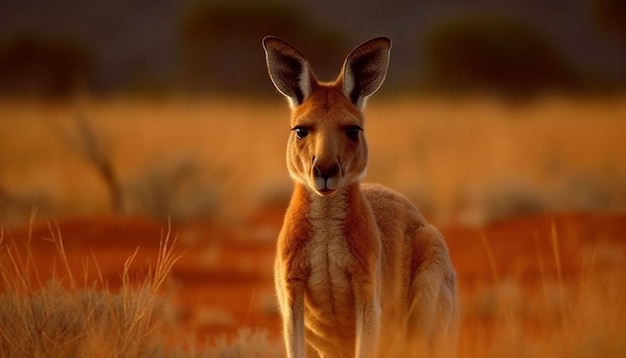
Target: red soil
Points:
(223, 279)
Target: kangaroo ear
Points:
(365, 69)
(289, 70)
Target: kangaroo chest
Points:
(329, 287)
(329, 257)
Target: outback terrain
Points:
(531, 199)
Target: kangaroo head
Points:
(326, 149)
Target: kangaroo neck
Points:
(331, 208)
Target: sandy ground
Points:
(223, 279)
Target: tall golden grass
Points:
(54, 313)
(57, 315)
(463, 160)
(51, 312)
(551, 316)
(457, 159)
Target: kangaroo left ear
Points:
(365, 69)
(288, 69)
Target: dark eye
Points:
(301, 132)
(353, 132)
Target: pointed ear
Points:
(288, 69)
(365, 69)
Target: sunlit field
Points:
(530, 196)
(460, 160)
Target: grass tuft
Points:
(559, 316)
(62, 318)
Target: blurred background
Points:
(491, 108)
(503, 120)
(514, 46)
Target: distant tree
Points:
(37, 66)
(494, 54)
(90, 144)
(610, 15)
(221, 42)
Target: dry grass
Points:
(58, 312)
(454, 158)
(60, 316)
(584, 316)
(472, 161)
(576, 316)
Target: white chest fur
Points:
(329, 286)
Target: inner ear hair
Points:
(365, 69)
(288, 69)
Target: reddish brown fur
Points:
(357, 266)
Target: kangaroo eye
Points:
(353, 132)
(301, 132)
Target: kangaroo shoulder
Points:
(390, 206)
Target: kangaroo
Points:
(358, 270)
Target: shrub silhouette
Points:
(609, 17)
(494, 54)
(221, 43)
(36, 66)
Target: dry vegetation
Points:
(58, 311)
(536, 277)
(553, 296)
(56, 315)
(469, 160)
(534, 287)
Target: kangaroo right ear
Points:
(288, 69)
(365, 69)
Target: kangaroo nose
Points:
(326, 172)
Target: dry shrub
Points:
(64, 316)
(177, 188)
(591, 193)
(504, 199)
(247, 343)
(579, 316)
(567, 152)
(60, 318)
(581, 321)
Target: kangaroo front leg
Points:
(367, 319)
(293, 321)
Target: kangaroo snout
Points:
(326, 176)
